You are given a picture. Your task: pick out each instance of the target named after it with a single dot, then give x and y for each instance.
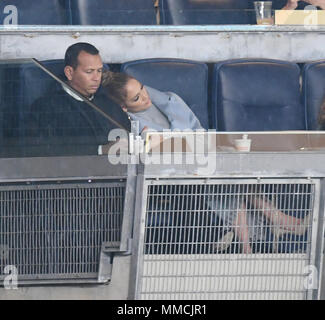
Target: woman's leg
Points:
(277, 217)
(241, 229)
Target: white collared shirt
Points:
(73, 95)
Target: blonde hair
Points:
(114, 84)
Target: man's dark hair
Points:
(72, 53)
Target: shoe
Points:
(224, 242)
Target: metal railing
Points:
(182, 221)
(53, 233)
(227, 238)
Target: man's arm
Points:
(318, 3)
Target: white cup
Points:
(244, 144)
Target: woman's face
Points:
(137, 97)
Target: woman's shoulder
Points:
(165, 96)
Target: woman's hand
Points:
(145, 128)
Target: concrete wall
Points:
(202, 43)
(117, 289)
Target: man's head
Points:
(83, 68)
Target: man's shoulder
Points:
(112, 109)
(101, 97)
(106, 104)
(56, 98)
(51, 96)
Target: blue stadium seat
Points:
(188, 79)
(34, 82)
(22, 84)
(10, 109)
(257, 95)
(313, 77)
(3, 103)
(41, 12)
(113, 12)
(184, 12)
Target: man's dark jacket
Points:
(59, 125)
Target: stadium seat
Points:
(188, 79)
(41, 12)
(184, 12)
(34, 82)
(313, 92)
(257, 95)
(22, 84)
(3, 104)
(113, 12)
(10, 109)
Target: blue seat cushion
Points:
(257, 95)
(42, 12)
(184, 12)
(113, 12)
(313, 91)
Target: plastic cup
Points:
(243, 145)
(263, 11)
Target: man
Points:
(61, 123)
(293, 4)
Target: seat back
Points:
(3, 102)
(257, 95)
(24, 83)
(313, 76)
(188, 79)
(43, 12)
(35, 83)
(113, 12)
(184, 12)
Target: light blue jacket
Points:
(178, 113)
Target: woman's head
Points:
(126, 91)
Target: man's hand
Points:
(291, 5)
(318, 3)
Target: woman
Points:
(166, 110)
(152, 108)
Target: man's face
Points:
(86, 78)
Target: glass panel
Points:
(39, 118)
(253, 141)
